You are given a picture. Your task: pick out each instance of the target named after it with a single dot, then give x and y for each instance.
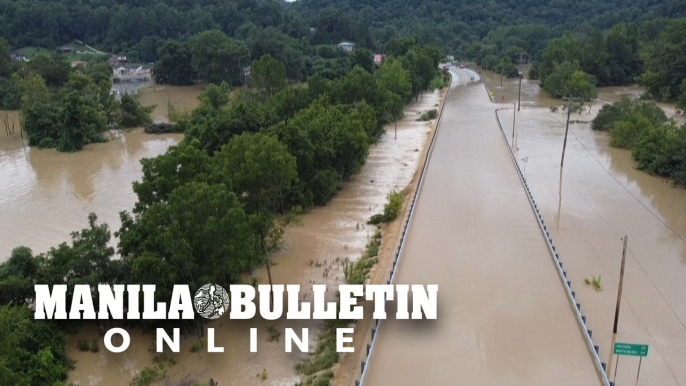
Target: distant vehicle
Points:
(461, 65)
(445, 67)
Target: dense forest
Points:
(143, 25)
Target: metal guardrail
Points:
(374, 332)
(571, 295)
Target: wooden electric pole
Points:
(621, 282)
(564, 145)
(514, 118)
(519, 98)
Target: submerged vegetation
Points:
(657, 143)
(594, 283)
(392, 208)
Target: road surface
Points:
(503, 315)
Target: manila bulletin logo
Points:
(211, 301)
(239, 302)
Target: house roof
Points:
(346, 44)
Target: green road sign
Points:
(637, 350)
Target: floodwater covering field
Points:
(590, 205)
(45, 195)
(49, 194)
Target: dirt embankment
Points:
(347, 371)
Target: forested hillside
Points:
(143, 25)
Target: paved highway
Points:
(503, 316)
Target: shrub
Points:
(429, 115)
(657, 148)
(625, 132)
(82, 345)
(390, 210)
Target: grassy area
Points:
(85, 55)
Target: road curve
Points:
(503, 315)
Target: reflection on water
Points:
(46, 194)
(168, 98)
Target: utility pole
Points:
(514, 117)
(564, 145)
(519, 98)
(502, 60)
(621, 283)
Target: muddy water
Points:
(503, 314)
(167, 98)
(312, 254)
(597, 199)
(508, 92)
(45, 195)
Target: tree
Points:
(199, 235)
(180, 165)
(31, 352)
(580, 87)
(215, 96)
(217, 58)
(132, 113)
(681, 103)
(557, 81)
(174, 64)
(363, 57)
(559, 50)
(396, 80)
(5, 62)
(268, 75)
(261, 169)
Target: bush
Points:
(627, 131)
(47, 143)
(429, 115)
(82, 345)
(390, 210)
(656, 150)
(609, 114)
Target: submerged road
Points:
(503, 315)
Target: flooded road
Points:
(596, 200)
(503, 315)
(312, 253)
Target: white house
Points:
(346, 46)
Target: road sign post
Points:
(630, 349)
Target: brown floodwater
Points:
(312, 253)
(598, 198)
(168, 98)
(45, 195)
(508, 92)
